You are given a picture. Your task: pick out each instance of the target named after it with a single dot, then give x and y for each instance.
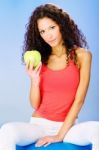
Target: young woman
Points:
(58, 85)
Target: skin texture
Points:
(51, 34)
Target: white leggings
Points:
(22, 133)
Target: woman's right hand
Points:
(34, 74)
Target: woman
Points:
(58, 85)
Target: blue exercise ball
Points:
(55, 146)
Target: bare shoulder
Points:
(81, 52)
(83, 56)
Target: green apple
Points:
(32, 57)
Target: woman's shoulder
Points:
(83, 55)
(82, 52)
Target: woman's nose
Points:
(49, 36)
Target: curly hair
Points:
(71, 35)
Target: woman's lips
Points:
(52, 41)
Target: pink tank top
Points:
(58, 89)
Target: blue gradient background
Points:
(14, 83)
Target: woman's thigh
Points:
(83, 133)
(21, 133)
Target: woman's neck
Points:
(59, 51)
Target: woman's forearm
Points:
(70, 119)
(35, 95)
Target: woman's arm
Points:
(34, 74)
(84, 58)
(34, 95)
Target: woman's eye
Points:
(52, 27)
(41, 32)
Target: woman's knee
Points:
(8, 131)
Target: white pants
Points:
(27, 133)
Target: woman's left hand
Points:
(45, 141)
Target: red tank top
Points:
(58, 89)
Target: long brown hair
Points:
(71, 35)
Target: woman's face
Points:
(50, 31)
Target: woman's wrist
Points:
(60, 136)
(34, 84)
(35, 81)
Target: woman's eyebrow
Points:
(47, 27)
